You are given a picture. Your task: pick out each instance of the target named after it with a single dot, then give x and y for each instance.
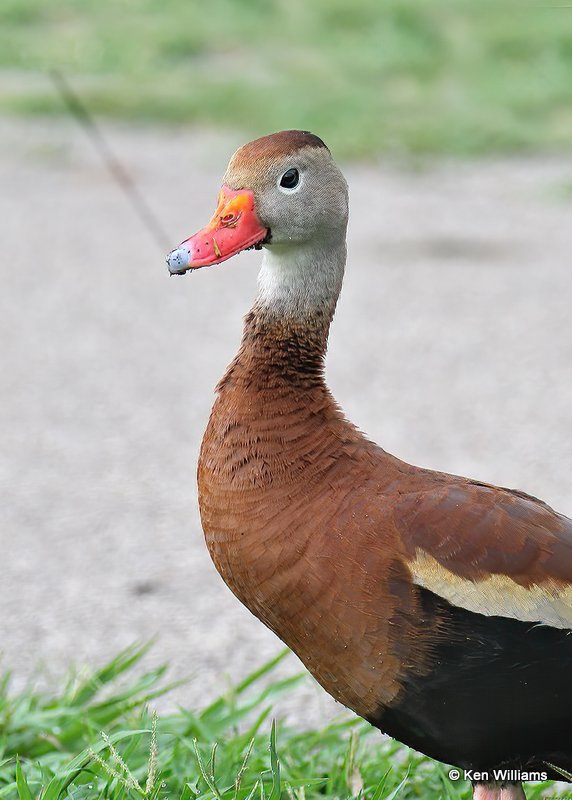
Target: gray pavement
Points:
(452, 347)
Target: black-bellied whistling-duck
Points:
(436, 607)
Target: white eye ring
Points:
(293, 172)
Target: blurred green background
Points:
(399, 76)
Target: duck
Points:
(436, 607)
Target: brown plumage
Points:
(436, 607)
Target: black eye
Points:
(290, 179)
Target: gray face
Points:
(315, 207)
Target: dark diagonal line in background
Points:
(118, 172)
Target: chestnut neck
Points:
(286, 331)
(274, 351)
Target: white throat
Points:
(297, 280)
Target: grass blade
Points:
(251, 679)
(60, 782)
(274, 765)
(24, 792)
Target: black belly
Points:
(499, 693)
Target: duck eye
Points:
(290, 179)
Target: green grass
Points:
(52, 746)
(402, 76)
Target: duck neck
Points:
(286, 331)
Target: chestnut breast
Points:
(285, 493)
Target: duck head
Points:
(283, 192)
